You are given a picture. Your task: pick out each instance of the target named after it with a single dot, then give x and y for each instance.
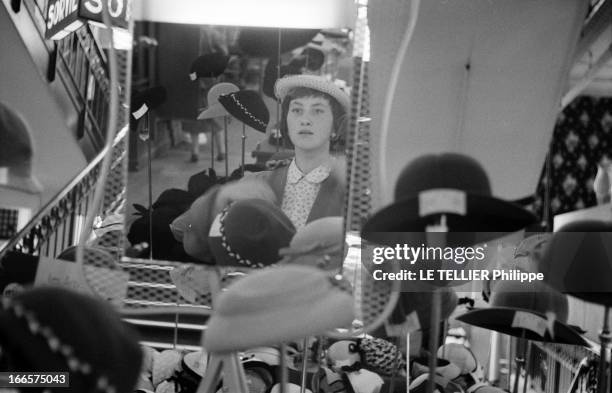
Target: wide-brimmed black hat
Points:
(210, 65)
(248, 107)
(578, 261)
(524, 310)
(44, 329)
(451, 185)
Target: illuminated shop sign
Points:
(65, 16)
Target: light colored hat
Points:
(284, 85)
(462, 357)
(215, 109)
(16, 152)
(268, 356)
(275, 305)
(318, 243)
(291, 388)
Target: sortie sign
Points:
(65, 16)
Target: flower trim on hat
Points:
(56, 345)
(246, 111)
(226, 246)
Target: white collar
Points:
(316, 176)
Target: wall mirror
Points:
(186, 153)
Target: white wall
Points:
(520, 53)
(57, 156)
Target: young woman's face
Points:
(309, 122)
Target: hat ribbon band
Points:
(246, 112)
(442, 200)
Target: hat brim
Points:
(488, 217)
(267, 327)
(500, 320)
(229, 105)
(284, 85)
(213, 111)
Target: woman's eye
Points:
(296, 110)
(319, 111)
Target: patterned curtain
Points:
(582, 137)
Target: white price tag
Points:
(529, 321)
(412, 322)
(140, 112)
(442, 200)
(3, 175)
(57, 272)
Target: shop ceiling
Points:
(591, 73)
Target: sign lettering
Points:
(65, 16)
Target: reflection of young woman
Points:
(314, 117)
(311, 186)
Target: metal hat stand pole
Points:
(226, 364)
(226, 149)
(243, 149)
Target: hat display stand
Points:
(243, 151)
(286, 303)
(226, 364)
(141, 105)
(226, 144)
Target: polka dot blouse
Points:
(301, 191)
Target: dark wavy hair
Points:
(339, 124)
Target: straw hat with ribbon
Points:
(286, 84)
